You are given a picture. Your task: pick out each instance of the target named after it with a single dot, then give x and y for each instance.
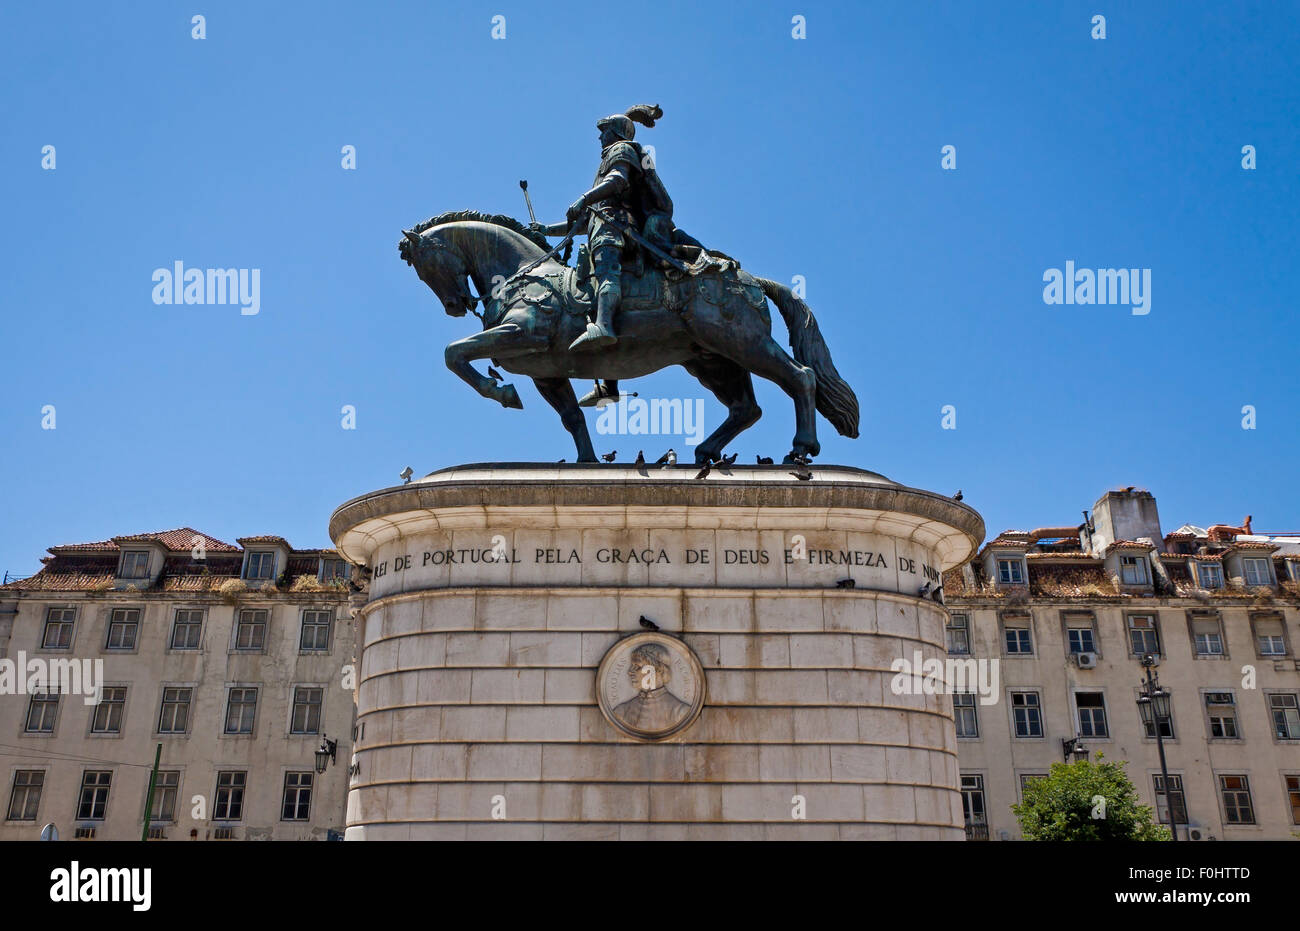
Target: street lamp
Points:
(325, 754)
(1073, 747)
(1153, 703)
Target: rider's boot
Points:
(600, 332)
(604, 391)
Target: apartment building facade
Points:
(239, 660)
(235, 658)
(1068, 613)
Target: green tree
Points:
(1086, 801)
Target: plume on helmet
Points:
(645, 114)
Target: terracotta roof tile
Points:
(261, 540)
(182, 538)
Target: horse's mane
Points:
(497, 219)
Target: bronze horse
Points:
(716, 325)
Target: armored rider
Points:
(627, 188)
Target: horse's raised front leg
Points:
(500, 342)
(558, 393)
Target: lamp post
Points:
(1153, 703)
(325, 754)
(1073, 747)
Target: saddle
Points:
(712, 275)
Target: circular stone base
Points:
(746, 624)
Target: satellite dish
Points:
(50, 832)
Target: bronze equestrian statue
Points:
(677, 303)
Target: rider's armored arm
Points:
(612, 185)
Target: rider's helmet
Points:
(621, 126)
(622, 123)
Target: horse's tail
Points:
(835, 399)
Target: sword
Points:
(640, 240)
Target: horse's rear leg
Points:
(733, 386)
(763, 356)
(558, 393)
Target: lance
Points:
(528, 200)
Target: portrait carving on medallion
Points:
(650, 686)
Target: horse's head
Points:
(440, 266)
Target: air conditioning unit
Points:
(1085, 660)
(1195, 834)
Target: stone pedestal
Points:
(762, 707)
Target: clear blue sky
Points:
(818, 157)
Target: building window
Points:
(316, 626)
(58, 629)
(1286, 715)
(25, 799)
(1221, 709)
(1133, 570)
(1208, 636)
(972, 807)
(94, 794)
(230, 796)
(1175, 795)
(966, 714)
(241, 711)
(1026, 779)
(135, 565)
(1270, 635)
(306, 710)
(1092, 714)
(1237, 807)
(1011, 571)
(297, 797)
(1027, 714)
(1257, 571)
(164, 797)
(1293, 797)
(187, 629)
(108, 713)
(1019, 638)
(1210, 574)
(1143, 637)
(42, 710)
(1079, 635)
(959, 634)
(174, 718)
(331, 569)
(123, 627)
(250, 632)
(260, 566)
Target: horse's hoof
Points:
(510, 398)
(594, 338)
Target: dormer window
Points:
(135, 565)
(1209, 574)
(1256, 570)
(259, 566)
(1011, 572)
(331, 569)
(1133, 570)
